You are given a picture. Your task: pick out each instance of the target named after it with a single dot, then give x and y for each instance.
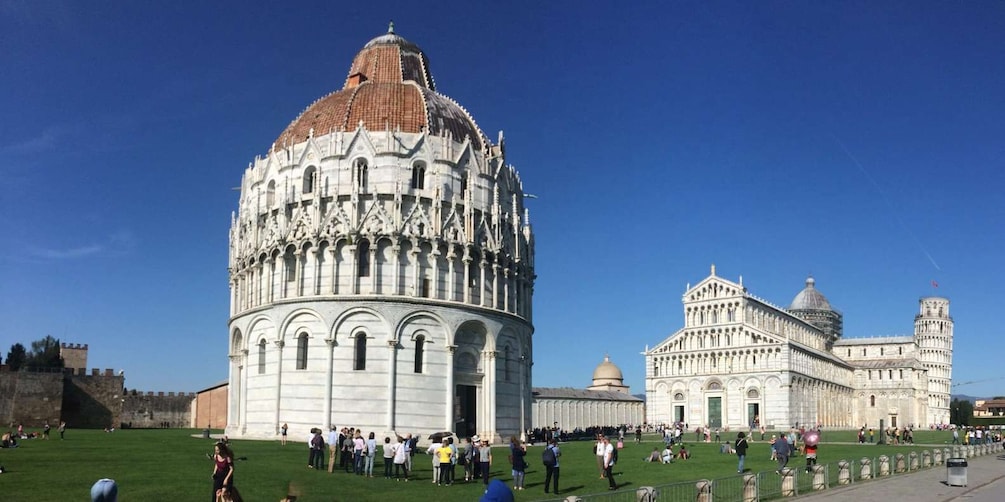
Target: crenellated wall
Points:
(92, 401)
(157, 410)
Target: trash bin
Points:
(205, 433)
(956, 471)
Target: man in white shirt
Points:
(609, 464)
(333, 447)
(436, 459)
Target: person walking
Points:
(223, 470)
(741, 450)
(551, 462)
(282, 434)
(62, 429)
(610, 457)
(782, 451)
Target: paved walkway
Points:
(985, 483)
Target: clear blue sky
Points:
(861, 142)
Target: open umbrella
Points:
(437, 437)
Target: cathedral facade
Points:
(381, 266)
(740, 361)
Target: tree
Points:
(45, 354)
(961, 411)
(16, 357)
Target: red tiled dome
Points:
(388, 87)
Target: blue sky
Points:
(861, 142)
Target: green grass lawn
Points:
(171, 465)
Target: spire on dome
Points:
(390, 26)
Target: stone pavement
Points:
(985, 483)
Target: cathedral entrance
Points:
(465, 406)
(678, 413)
(715, 412)
(753, 414)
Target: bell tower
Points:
(933, 331)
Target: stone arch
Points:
(302, 320)
(236, 341)
(352, 320)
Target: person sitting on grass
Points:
(683, 454)
(653, 457)
(667, 455)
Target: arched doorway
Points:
(469, 379)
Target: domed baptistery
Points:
(381, 266)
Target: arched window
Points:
(753, 394)
(361, 169)
(302, 351)
(290, 260)
(678, 396)
(715, 386)
(359, 358)
(309, 179)
(270, 194)
(363, 262)
(419, 175)
(420, 344)
(872, 401)
(656, 369)
(261, 357)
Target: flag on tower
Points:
(935, 284)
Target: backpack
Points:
(548, 457)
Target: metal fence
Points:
(767, 486)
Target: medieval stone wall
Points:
(92, 401)
(30, 398)
(149, 410)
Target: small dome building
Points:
(608, 376)
(606, 403)
(381, 266)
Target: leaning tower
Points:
(933, 330)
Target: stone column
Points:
(279, 382)
(392, 381)
(495, 283)
(788, 482)
(866, 468)
(329, 377)
(703, 488)
(449, 415)
(270, 282)
(434, 272)
(451, 279)
(236, 377)
(819, 477)
(353, 268)
(374, 269)
(884, 465)
(467, 277)
(749, 488)
(316, 255)
(490, 375)
(244, 392)
(844, 472)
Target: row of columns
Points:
(255, 285)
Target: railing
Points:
(792, 482)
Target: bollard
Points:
(646, 494)
(749, 488)
(704, 489)
(844, 473)
(884, 466)
(957, 453)
(788, 482)
(970, 451)
(572, 498)
(866, 472)
(899, 465)
(946, 453)
(926, 459)
(912, 464)
(819, 478)
(937, 456)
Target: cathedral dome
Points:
(810, 298)
(607, 371)
(388, 87)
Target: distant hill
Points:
(640, 396)
(964, 397)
